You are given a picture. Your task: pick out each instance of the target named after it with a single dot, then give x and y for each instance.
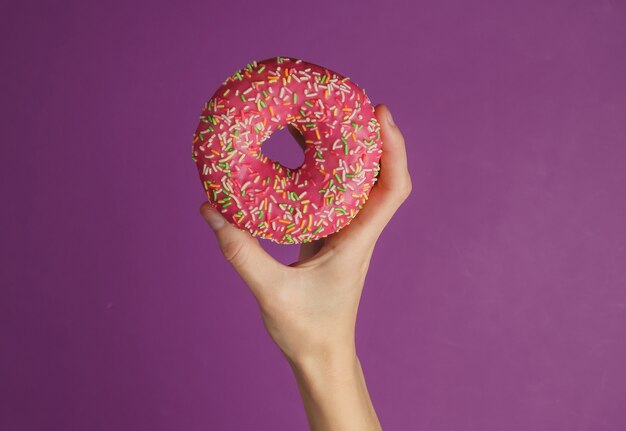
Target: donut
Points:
(341, 155)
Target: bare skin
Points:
(310, 307)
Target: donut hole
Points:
(281, 147)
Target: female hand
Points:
(309, 307)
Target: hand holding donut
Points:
(309, 307)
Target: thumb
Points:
(257, 268)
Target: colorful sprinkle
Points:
(262, 196)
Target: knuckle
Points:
(235, 253)
(405, 188)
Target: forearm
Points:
(334, 393)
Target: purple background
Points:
(496, 298)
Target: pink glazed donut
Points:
(258, 194)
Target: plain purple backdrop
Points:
(496, 298)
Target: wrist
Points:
(334, 392)
(330, 362)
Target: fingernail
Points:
(390, 118)
(213, 218)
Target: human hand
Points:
(309, 307)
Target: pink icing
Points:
(341, 158)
